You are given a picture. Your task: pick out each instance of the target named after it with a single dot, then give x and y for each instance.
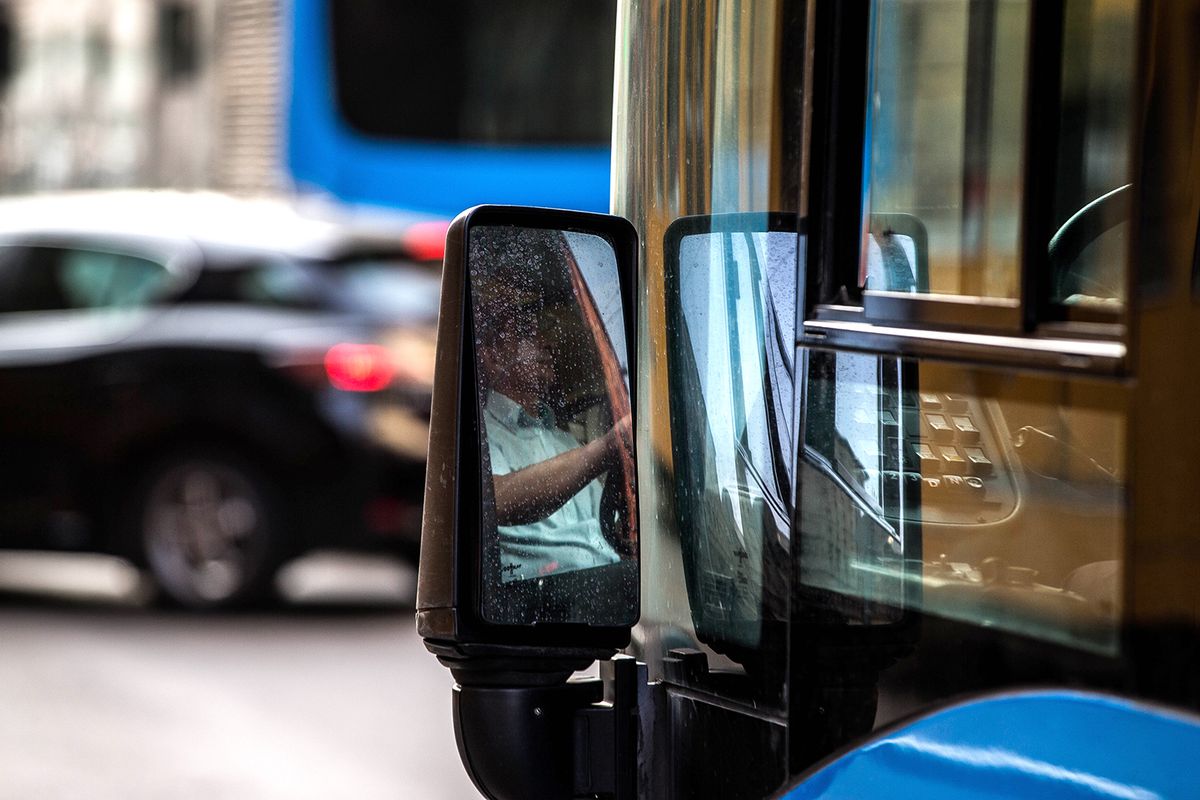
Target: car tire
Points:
(210, 529)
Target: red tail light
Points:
(359, 367)
(426, 241)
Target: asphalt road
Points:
(333, 696)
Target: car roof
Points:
(220, 225)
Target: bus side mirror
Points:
(529, 545)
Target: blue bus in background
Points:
(434, 107)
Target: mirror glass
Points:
(891, 261)
(559, 509)
(731, 360)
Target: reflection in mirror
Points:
(896, 254)
(731, 358)
(559, 517)
(890, 262)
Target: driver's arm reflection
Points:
(538, 490)
(547, 495)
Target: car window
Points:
(390, 289)
(59, 279)
(273, 281)
(381, 288)
(279, 283)
(95, 279)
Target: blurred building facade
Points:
(150, 93)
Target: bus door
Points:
(1002, 448)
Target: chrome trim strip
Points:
(1075, 355)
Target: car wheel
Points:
(209, 530)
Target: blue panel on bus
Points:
(1043, 744)
(324, 153)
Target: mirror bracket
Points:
(513, 665)
(572, 739)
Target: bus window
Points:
(945, 137)
(946, 144)
(527, 73)
(435, 107)
(1093, 152)
(1001, 500)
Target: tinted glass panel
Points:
(994, 502)
(559, 511)
(1098, 73)
(525, 72)
(385, 289)
(389, 289)
(26, 284)
(278, 282)
(945, 122)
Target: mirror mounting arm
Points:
(508, 665)
(573, 739)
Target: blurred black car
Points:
(210, 386)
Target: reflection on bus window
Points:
(891, 263)
(852, 503)
(896, 256)
(935, 488)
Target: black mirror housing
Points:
(476, 610)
